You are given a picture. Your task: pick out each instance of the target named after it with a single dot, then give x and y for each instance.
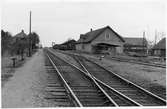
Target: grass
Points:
(7, 69)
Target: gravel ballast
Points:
(148, 77)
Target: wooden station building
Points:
(103, 40)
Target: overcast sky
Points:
(58, 21)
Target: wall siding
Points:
(86, 48)
(119, 49)
(114, 39)
(78, 46)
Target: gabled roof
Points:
(161, 44)
(68, 42)
(135, 41)
(90, 36)
(21, 34)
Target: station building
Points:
(103, 40)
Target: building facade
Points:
(68, 45)
(104, 40)
(160, 48)
(135, 45)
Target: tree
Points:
(6, 38)
(20, 46)
(34, 40)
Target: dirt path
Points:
(26, 87)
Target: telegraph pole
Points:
(30, 23)
(143, 40)
(155, 37)
(30, 35)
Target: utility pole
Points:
(155, 37)
(30, 35)
(30, 23)
(143, 41)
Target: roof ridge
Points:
(133, 37)
(161, 44)
(91, 35)
(95, 30)
(20, 33)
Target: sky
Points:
(58, 20)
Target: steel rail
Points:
(90, 77)
(101, 82)
(99, 86)
(65, 83)
(138, 62)
(118, 92)
(136, 103)
(132, 61)
(137, 86)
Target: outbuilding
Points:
(160, 48)
(135, 45)
(21, 34)
(103, 40)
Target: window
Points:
(107, 36)
(83, 47)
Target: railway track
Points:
(137, 62)
(56, 91)
(142, 97)
(87, 91)
(127, 88)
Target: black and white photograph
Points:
(83, 53)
